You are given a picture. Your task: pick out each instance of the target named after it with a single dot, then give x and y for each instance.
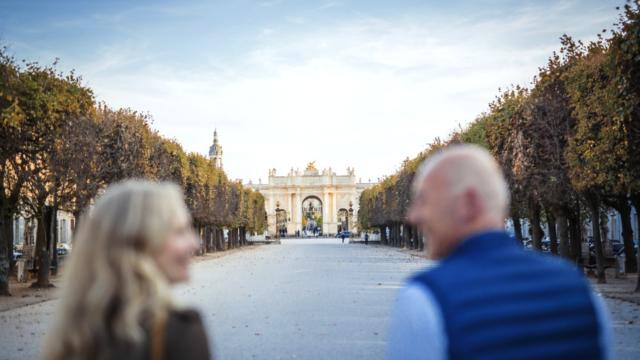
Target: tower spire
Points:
(215, 151)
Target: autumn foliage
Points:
(569, 146)
(59, 149)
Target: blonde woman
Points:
(116, 302)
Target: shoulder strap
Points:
(157, 337)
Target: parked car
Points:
(346, 234)
(63, 249)
(17, 255)
(617, 247)
(545, 244)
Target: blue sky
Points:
(345, 83)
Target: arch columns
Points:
(298, 210)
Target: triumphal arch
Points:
(311, 202)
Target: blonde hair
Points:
(469, 167)
(113, 287)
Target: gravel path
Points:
(304, 299)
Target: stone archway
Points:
(312, 215)
(281, 222)
(343, 220)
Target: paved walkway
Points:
(304, 299)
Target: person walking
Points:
(116, 302)
(366, 238)
(488, 298)
(342, 235)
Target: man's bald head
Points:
(458, 191)
(465, 167)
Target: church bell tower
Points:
(215, 151)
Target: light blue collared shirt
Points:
(417, 327)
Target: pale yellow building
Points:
(311, 201)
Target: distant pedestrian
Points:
(342, 235)
(117, 302)
(488, 298)
(366, 238)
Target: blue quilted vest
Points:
(500, 301)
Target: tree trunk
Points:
(624, 209)
(244, 236)
(202, 229)
(517, 228)
(393, 234)
(553, 235)
(6, 253)
(53, 240)
(563, 235)
(534, 218)
(594, 208)
(561, 220)
(42, 248)
(575, 235)
(635, 200)
(9, 235)
(236, 238)
(215, 233)
(214, 238)
(206, 240)
(383, 235)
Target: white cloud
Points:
(365, 93)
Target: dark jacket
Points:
(184, 339)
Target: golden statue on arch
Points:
(311, 166)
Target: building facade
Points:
(311, 202)
(612, 231)
(215, 151)
(24, 232)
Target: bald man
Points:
(487, 297)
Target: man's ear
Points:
(471, 205)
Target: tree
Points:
(597, 153)
(50, 100)
(545, 125)
(499, 122)
(625, 65)
(12, 142)
(125, 144)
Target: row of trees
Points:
(59, 149)
(569, 147)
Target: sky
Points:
(361, 84)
